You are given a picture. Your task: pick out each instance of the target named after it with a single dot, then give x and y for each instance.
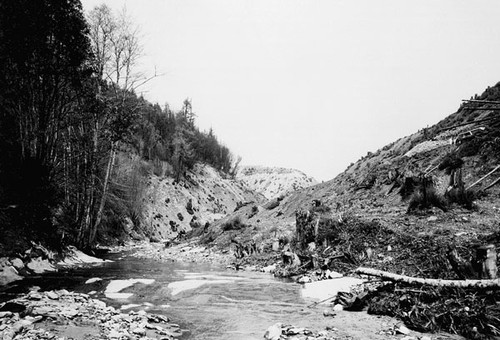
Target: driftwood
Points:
(493, 283)
(482, 178)
(492, 184)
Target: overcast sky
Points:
(314, 85)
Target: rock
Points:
(5, 314)
(35, 296)
(8, 274)
(273, 332)
(402, 329)
(425, 337)
(17, 263)
(52, 295)
(114, 334)
(39, 266)
(328, 312)
(294, 331)
(332, 275)
(43, 310)
(304, 279)
(338, 307)
(269, 269)
(139, 331)
(70, 313)
(92, 280)
(432, 219)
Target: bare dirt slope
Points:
(273, 182)
(369, 190)
(202, 197)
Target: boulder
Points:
(39, 266)
(273, 332)
(8, 274)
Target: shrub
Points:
(234, 224)
(462, 197)
(450, 162)
(421, 200)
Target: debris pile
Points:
(470, 312)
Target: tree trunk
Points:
(492, 283)
(107, 176)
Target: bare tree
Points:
(115, 41)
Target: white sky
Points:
(314, 85)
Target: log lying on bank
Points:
(492, 283)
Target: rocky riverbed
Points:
(65, 315)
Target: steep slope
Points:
(368, 192)
(273, 182)
(204, 196)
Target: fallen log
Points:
(492, 184)
(482, 178)
(492, 283)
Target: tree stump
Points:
(486, 259)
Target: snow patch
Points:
(322, 290)
(76, 256)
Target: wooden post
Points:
(486, 257)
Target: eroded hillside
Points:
(201, 198)
(273, 182)
(372, 190)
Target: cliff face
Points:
(273, 182)
(204, 196)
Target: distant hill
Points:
(273, 182)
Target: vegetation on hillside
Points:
(76, 141)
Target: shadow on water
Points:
(205, 300)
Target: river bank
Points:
(331, 322)
(180, 292)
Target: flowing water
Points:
(208, 302)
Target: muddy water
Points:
(207, 302)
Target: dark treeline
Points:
(69, 116)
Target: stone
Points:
(17, 263)
(269, 269)
(139, 331)
(304, 279)
(5, 314)
(338, 307)
(432, 219)
(114, 334)
(332, 275)
(92, 280)
(8, 274)
(402, 329)
(52, 295)
(273, 332)
(328, 312)
(294, 331)
(70, 313)
(35, 296)
(39, 266)
(42, 310)
(425, 337)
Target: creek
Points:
(207, 301)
